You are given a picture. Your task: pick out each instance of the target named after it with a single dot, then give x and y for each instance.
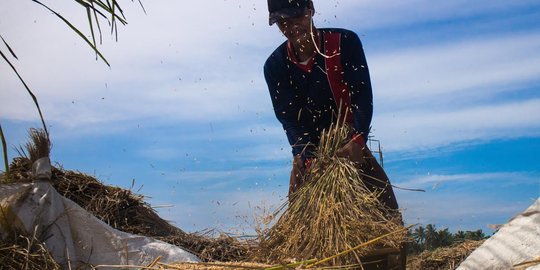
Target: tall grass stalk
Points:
(4, 151)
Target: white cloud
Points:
(467, 201)
(219, 178)
(455, 71)
(372, 14)
(155, 51)
(236, 210)
(459, 211)
(463, 201)
(233, 212)
(175, 42)
(417, 129)
(434, 181)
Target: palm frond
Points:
(97, 23)
(75, 30)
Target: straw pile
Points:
(21, 252)
(127, 211)
(443, 258)
(223, 248)
(333, 212)
(120, 208)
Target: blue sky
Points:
(184, 108)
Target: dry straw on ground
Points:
(120, 208)
(333, 212)
(22, 252)
(127, 211)
(214, 266)
(443, 258)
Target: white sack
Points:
(516, 242)
(76, 236)
(42, 169)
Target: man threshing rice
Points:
(314, 77)
(339, 196)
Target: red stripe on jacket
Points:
(334, 72)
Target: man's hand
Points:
(297, 174)
(353, 150)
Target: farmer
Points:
(314, 77)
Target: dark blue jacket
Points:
(302, 95)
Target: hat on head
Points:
(281, 9)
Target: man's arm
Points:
(286, 107)
(356, 74)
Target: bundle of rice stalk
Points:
(38, 148)
(333, 212)
(39, 145)
(21, 252)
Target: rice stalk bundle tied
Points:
(39, 145)
(333, 212)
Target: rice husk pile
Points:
(443, 258)
(128, 212)
(333, 212)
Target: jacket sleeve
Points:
(286, 107)
(356, 75)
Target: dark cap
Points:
(281, 9)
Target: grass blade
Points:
(108, 7)
(113, 19)
(9, 48)
(115, 3)
(140, 3)
(89, 14)
(94, 9)
(76, 31)
(97, 23)
(29, 92)
(4, 150)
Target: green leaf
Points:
(97, 23)
(9, 48)
(114, 28)
(89, 14)
(76, 31)
(140, 3)
(29, 92)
